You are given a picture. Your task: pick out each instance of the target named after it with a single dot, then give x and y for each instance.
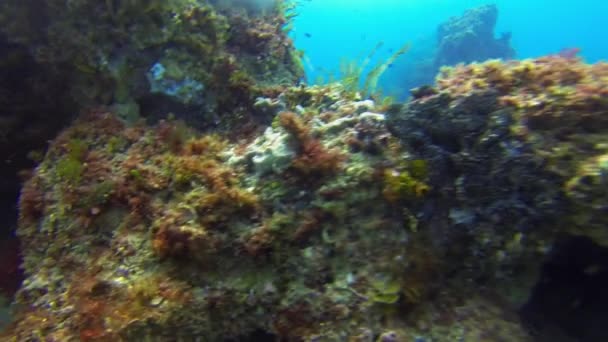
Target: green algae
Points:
(408, 183)
(70, 170)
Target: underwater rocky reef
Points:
(342, 220)
(298, 213)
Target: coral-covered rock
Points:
(559, 113)
(516, 156)
(152, 58)
(175, 231)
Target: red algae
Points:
(313, 159)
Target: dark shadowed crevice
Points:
(570, 300)
(256, 336)
(34, 106)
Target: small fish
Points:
(308, 35)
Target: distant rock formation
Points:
(470, 38)
(464, 39)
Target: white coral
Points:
(270, 153)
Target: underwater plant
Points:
(355, 77)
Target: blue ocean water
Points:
(331, 31)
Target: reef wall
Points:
(205, 61)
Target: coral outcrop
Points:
(517, 150)
(151, 58)
(182, 234)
